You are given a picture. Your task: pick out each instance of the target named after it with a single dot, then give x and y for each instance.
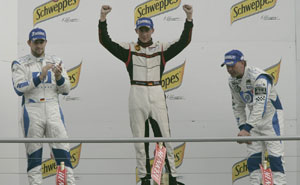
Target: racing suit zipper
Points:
(44, 92)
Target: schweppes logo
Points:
(250, 7)
(154, 7)
(172, 79)
(240, 170)
(274, 71)
(52, 9)
(49, 165)
(74, 74)
(178, 156)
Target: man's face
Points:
(144, 33)
(237, 70)
(37, 47)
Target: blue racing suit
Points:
(256, 91)
(41, 112)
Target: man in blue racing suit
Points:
(39, 79)
(253, 87)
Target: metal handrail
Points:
(147, 140)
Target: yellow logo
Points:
(240, 170)
(74, 75)
(49, 165)
(178, 155)
(52, 9)
(137, 47)
(154, 7)
(172, 79)
(250, 7)
(274, 71)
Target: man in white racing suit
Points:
(254, 87)
(39, 79)
(145, 62)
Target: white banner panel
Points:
(201, 106)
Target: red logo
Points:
(158, 164)
(61, 175)
(266, 175)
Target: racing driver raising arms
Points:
(145, 61)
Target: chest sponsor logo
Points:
(260, 98)
(154, 7)
(248, 84)
(48, 78)
(247, 96)
(249, 7)
(137, 47)
(53, 9)
(260, 90)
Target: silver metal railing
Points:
(149, 140)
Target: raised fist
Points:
(105, 9)
(188, 9)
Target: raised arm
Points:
(172, 49)
(105, 40)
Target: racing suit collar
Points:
(38, 59)
(144, 45)
(245, 72)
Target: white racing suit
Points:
(41, 112)
(256, 90)
(145, 66)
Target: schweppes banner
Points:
(53, 9)
(274, 71)
(240, 170)
(74, 75)
(154, 7)
(178, 156)
(49, 165)
(172, 79)
(250, 7)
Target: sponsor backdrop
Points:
(198, 96)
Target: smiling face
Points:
(37, 47)
(144, 34)
(237, 70)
